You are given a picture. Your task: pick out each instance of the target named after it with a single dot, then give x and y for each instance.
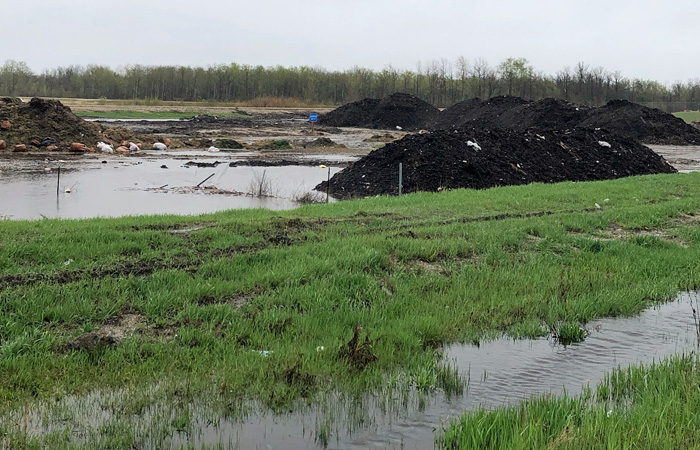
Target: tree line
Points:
(440, 82)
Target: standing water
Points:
(500, 372)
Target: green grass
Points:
(688, 116)
(640, 407)
(413, 272)
(174, 115)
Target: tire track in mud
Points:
(284, 233)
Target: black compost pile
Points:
(648, 125)
(51, 121)
(620, 117)
(397, 110)
(512, 113)
(477, 113)
(479, 159)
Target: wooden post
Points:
(58, 181)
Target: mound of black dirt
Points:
(476, 113)
(398, 109)
(482, 159)
(648, 125)
(545, 114)
(44, 120)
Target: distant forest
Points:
(439, 82)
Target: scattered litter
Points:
(320, 348)
(68, 261)
(263, 352)
(604, 144)
(476, 146)
(105, 148)
(598, 206)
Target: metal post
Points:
(328, 185)
(400, 177)
(58, 181)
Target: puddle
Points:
(500, 372)
(138, 186)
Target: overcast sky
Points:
(640, 38)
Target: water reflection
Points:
(500, 372)
(125, 187)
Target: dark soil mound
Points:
(546, 114)
(477, 113)
(512, 113)
(482, 159)
(399, 109)
(649, 125)
(40, 119)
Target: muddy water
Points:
(129, 187)
(498, 372)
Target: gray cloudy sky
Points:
(641, 38)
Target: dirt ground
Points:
(685, 158)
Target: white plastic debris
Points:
(213, 149)
(598, 206)
(104, 148)
(68, 261)
(541, 137)
(399, 128)
(159, 146)
(476, 146)
(604, 144)
(320, 348)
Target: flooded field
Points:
(152, 185)
(495, 373)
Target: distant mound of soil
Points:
(41, 119)
(399, 109)
(479, 159)
(476, 113)
(323, 142)
(648, 125)
(621, 117)
(546, 114)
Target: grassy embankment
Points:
(688, 116)
(207, 293)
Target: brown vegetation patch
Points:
(381, 138)
(236, 301)
(110, 334)
(358, 352)
(431, 267)
(615, 232)
(690, 219)
(117, 269)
